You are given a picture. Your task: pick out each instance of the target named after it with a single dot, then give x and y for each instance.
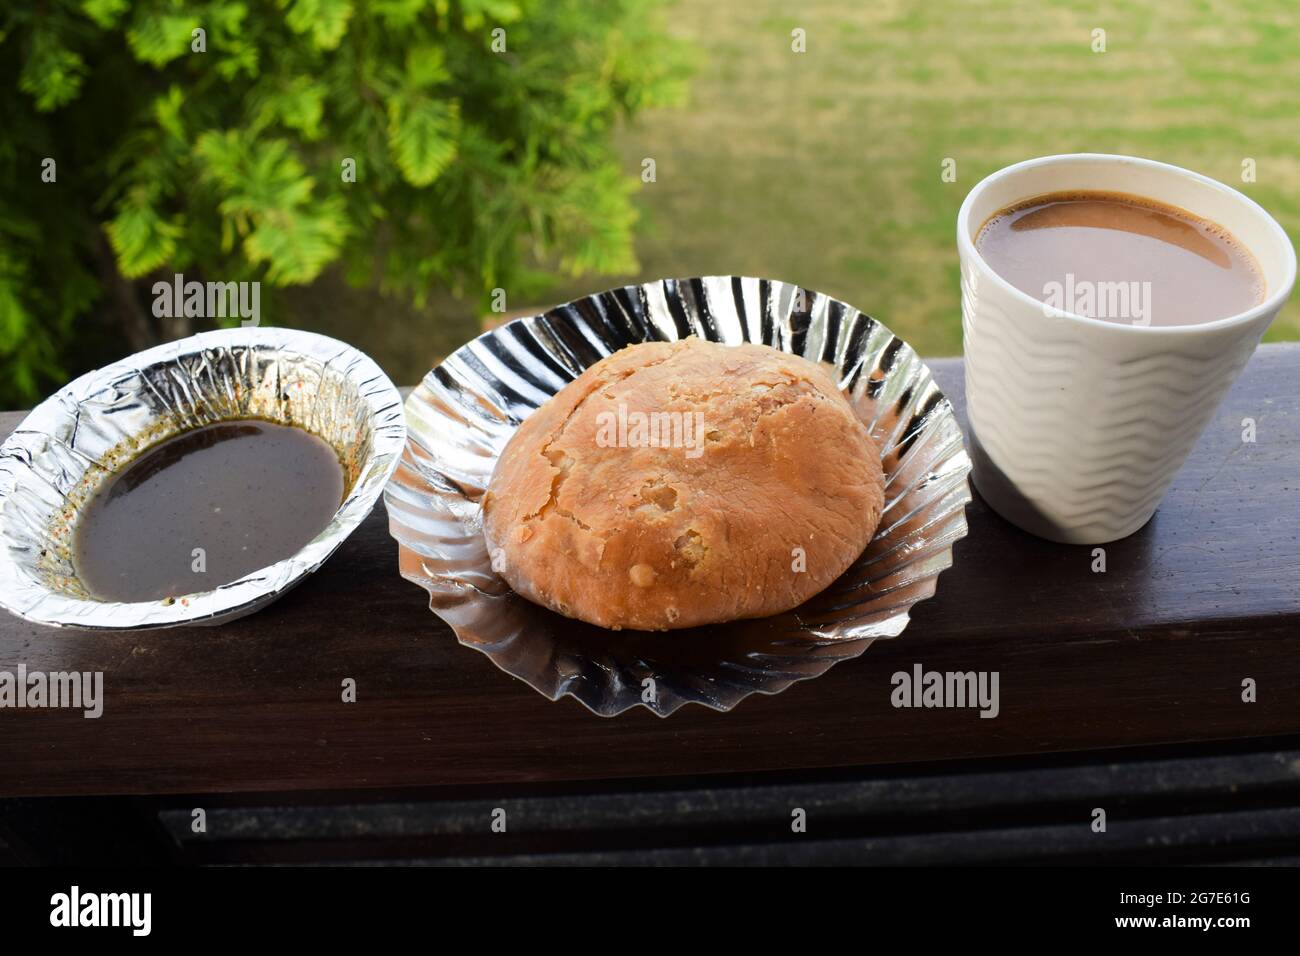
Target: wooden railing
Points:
(1152, 651)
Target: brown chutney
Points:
(205, 508)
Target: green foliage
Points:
(221, 154)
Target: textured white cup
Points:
(1079, 425)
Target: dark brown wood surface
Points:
(1152, 651)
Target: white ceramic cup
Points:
(1080, 424)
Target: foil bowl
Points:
(63, 452)
(463, 413)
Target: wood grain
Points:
(1152, 651)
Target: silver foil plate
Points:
(74, 441)
(466, 409)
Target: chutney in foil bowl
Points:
(193, 482)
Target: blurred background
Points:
(507, 145)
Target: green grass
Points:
(823, 168)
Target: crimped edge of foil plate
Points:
(226, 373)
(463, 413)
